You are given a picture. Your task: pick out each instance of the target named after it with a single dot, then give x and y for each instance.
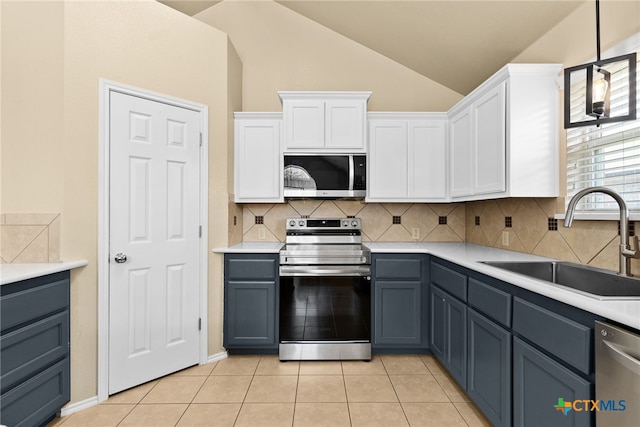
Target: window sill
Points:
(599, 216)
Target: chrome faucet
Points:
(624, 263)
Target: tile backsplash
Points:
(519, 224)
(530, 227)
(399, 222)
(29, 238)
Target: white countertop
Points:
(251, 248)
(10, 273)
(625, 311)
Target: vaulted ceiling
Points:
(445, 41)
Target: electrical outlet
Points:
(505, 238)
(415, 233)
(261, 233)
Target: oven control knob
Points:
(301, 223)
(345, 223)
(292, 223)
(354, 223)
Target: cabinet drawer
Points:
(451, 281)
(568, 340)
(490, 301)
(254, 267)
(33, 303)
(34, 401)
(398, 268)
(30, 349)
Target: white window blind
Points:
(608, 155)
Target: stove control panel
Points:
(323, 223)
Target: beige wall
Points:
(54, 54)
(282, 50)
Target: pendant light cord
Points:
(598, 29)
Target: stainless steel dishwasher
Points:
(617, 376)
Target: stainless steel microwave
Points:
(328, 176)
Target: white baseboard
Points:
(217, 356)
(72, 408)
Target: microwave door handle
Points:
(351, 173)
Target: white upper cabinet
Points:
(407, 157)
(324, 121)
(258, 158)
(504, 136)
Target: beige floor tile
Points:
(358, 367)
(432, 415)
(236, 365)
(154, 415)
(272, 388)
(398, 364)
(57, 422)
(174, 390)
(197, 370)
(369, 388)
(377, 415)
(133, 395)
(325, 367)
(321, 415)
(321, 388)
(451, 388)
(472, 415)
(418, 388)
(210, 415)
(271, 365)
(224, 389)
(265, 414)
(432, 363)
(98, 416)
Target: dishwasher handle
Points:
(623, 358)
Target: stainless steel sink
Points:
(591, 280)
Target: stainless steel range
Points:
(325, 291)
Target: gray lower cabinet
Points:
(517, 353)
(448, 334)
(250, 301)
(538, 383)
(34, 350)
(399, 300)
(489, 368)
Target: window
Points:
(608, 155)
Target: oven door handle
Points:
(305, 270)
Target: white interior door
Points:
(154, 209)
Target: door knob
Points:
(120, 258)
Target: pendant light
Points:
(597, 99)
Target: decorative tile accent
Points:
(259, 219)
(397, 219)
(30, 238)
(477, 220)
(442, 220)
(553, 224)
(508, 221)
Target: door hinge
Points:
(200, 231)
(200, 139)
(200, 324)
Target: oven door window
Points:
(328, 172)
